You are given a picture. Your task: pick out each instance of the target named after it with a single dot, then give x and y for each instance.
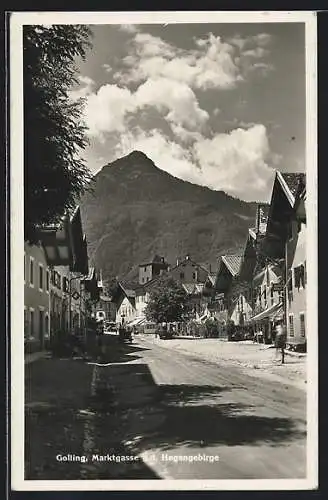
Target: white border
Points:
(17, 20)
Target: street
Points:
(183, 417)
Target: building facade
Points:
(37, 322)
(296, 276)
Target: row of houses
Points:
(60, 289)
(266, 283)
(253, 290)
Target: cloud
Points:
(258, 40)
(84, 90)
(106, 110)
(256, 53)
(107, 68)
(236, 163)
(174, 99)
(129, 28)
(109, 108)
(211, 65)
(262, 68)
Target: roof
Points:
(232, 263)
(157, 259)
(188, 259)
(212, 278)
(291, 184)
(193, 288)
(252, 232)
(271, 312)
(129, 288)
(294, 181)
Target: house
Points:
(267, 302)
(296, 264)
(125, 300)
(106, 307)
(150, 270)
(188, 271)
(65, 250)
(36, 298)
(227, 295)
(285, 239)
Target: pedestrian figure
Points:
(280, 341)
(100, 333)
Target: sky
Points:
(219, 105)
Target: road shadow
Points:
(114, 351)
(128, 413)
(167, 416)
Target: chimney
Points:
(178, 262)
(187, 257)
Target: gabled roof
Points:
(232, 262)
(212, 278)
(291, 183)
(188, 259)
(129, 288)
(193, 288)
(294, 181)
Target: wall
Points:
(241, 305)
(127, 309)
(296, 300)
(36, 298)
(188, 272)
(141, 303)
(60, 284)
(265, 296)
(145, 273)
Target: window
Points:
(31, 322)
(291, 325)
(40, 277)
(182, 276)
(46, 327)
(65, 284)
(26, 325)
(271, 293)
(31, 271)
(302, 324)
(145, 269)
(193, 275)
(47, 280)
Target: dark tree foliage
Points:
(168, 302)
(54, 132)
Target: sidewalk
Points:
(75, 409)
(257, 359)
(34, 356)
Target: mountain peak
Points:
(138, 155)
(137, 210)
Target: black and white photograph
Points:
(163, 177)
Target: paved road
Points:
(186, 418)
(249, 428)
